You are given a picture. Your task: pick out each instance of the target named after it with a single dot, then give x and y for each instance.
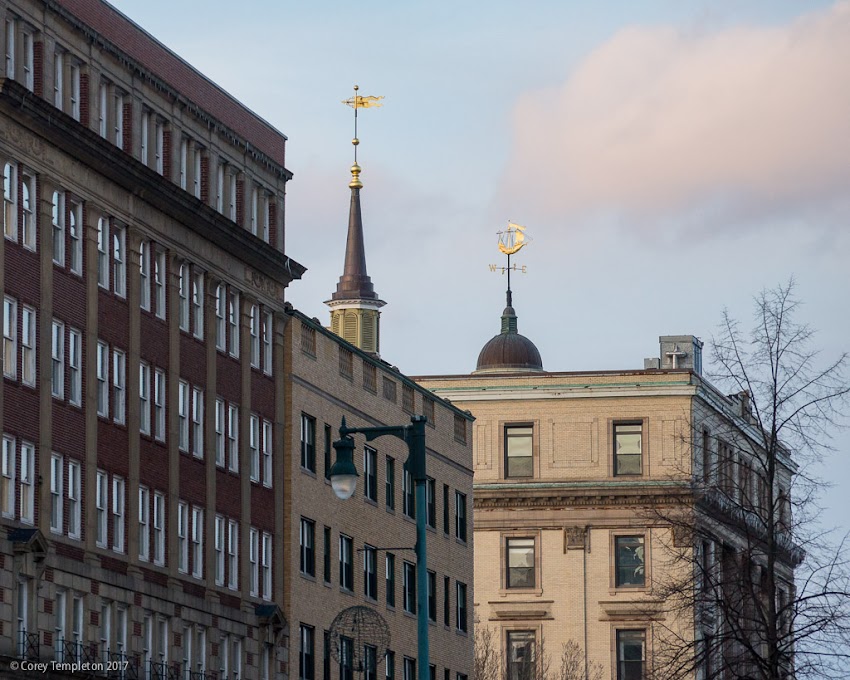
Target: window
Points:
(60, 609)
(119, 261)
(431, 495)
(308, 442)
(144, 157)
(118, 118)
(234, 324)
(27, 482)
(197, 422)
(75, 373)
(627, 448)
(219, 432)
(8, 463)
(267, 342)
(10, 48)
(198, 305)
(389, 390)
(182, 537)
(390, 579)
(306, 669)
(74, 71)
(159, 282)
(29, 236)
(346, 363)
(144, 524)
(408, 587)
(159, 139)
(326, 555)
(197, 155)
(118, 514)
(307, 541)
(159, 404)
(184, 161)
(390, 484)
(254, 207)
(57, 363)
(220, 317)
(144, 398)
(407, 398)
(460, 428)
(183, 294)
(75, 227)
(74, 500)
(328, 462)
(520, 563)
(346, 660)
(253, 562)
(10, 337)
(408, 493)
(197, 542)
(630, 654)
(432, 596)
(521, 655)
(370, 572)
(255, 336)
(232, 197)
(219, 186)
(267, 454)
(56, 480)
(390, 665)
(58, 221)
(28, 331)
(446, 509)
(29, 74)
(233, 436)
(145, 275)
(346, 570)
(267, 217)
(370, 466)
(254, 446)
(630, 565)
(409, 669)
(10, 201)
(183, 415)
(370, 377)
(102, 379)
(447, 601)
(218, 547)
(308, 340)
(461, 606)
(460, 516)
(119, 365)
(102, 494)
(158, 528)
(370, 662)
(266, 565)
(103, 252)
(519, 460)
(428, 410)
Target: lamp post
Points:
(344, 475)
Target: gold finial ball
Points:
(355, 169)
(355, 141)
(356, 87)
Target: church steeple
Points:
(355, 304)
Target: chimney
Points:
(681, 352)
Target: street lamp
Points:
(344, 475)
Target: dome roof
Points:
(509, 351)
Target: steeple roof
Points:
(355, 283)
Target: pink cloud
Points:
(658, 121)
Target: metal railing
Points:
(73, 651)
(29, 646)
(161, 670)
(123, 666)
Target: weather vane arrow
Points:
(359, 102)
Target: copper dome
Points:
(509, 351)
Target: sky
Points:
(669, 158)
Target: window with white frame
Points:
(56, 500)
(159, 140)
(58, 222)
(267, 454)
(254, 208)
(219, 431)
(119, 260)
(74, 73)
(233, 436)
(144, 524)
(29, 234)
(10, 337)
(267, 217)
(159, 404)
(145, 275)
(59, 79)
(75, 373)
(266, 565)
(232, 197)
(29, 61)
(253, 562)
(254, 446)
(102, 379)
(10, 48)
(232, 554)
(103, 98)
(182, 537)
(75, 228)
(117, 514)
(103, 252)
(8, 464)
(198, 305)
(219, 550)
(255, 336)
(57, 360)
(197, 422)
(146, 130)
(27, 508)
(28, 331)
(197, 542)
(233, 322)
(144, 398)
(184, 161)
(221, 317)
(10, 201)
(118, 118)
(268, 329)
(183, 415)
(75, 503)
(219, 186)
(158, 528)
(197, 155)
(119, 385)
(159, 283)
(101, 509)
(183, 294)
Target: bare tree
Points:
(572, 664)
(769, 594)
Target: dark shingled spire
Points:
(355, 284)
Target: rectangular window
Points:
(198, 305)
(461, 606)
(118, 118)
(521, 655)
(370, 467)
(447, 601)
(144, 398)
(119, 382)
(520, 562)
(370, 662)
(218, 546)
(159, 404)
(428, 411)
(119, 261)
(308, 442)
(219, 186)
(57, 363)
(326, 555)
(159, 139)
(306, 670)
(29, 234)
(255, 336)
(409, 669)
(103, 252)
(254, 208)
(370, 572)
(460, 516)
(219, 432)
(10, 200)
(627, 448)
(220, 317)
(408, 493)
(146, 129)
(370, 377)
(74, 71)
(27, 483)
(158, 528)
(307, 542)
(8, 463)
(232, 197)
(29, 62)
(431, 496)
(432, 596)
(102, 93)
(390, 484)
(182, 537)
(28, 345)
(233, 436)
(268, 328)
(346, 363)
(631, 654)
(308, 340)
(59, 79)
(102, 379)
(253, 562)
(197, 155)
(10, 337)
(630, 561)
(346, 658)
(159, 283)
(254, 446)
(184, 161)
(101, 500)
(183, 415)
(266, 565)
(346, 568)
(233, 320)
(267, 454)
(74, 500)
(232, 555)
(75, 373)
(390, 666)
(144, 524)
(407, 403)
(183, 296)
(145, 275)
(58, 222)
(446, 509)
(389, 565)
(460, 428)
(519, 461)
(197, 542)
(10, 48)
(118, 514)
(328, 462)
(408, 587)
(75, 227)
(197, 422)
(56, 500)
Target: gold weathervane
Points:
(511, 241)
(359, 102)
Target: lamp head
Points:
(343, 474)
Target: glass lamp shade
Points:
(343, 474)
(344, 486)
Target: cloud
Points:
(743, 122)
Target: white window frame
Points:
(59, 79)
(197, 422)
(233, 323)
(255, 336)
(10, 337)
(8, 463)
(145, 147)
(119, 386)
(158, 528)
(118, 509)
(57, 360)
(268, 330)
(233, 437)
(27, 489)
(29, 325)
(29, 61)
(102, 95)
(119, 260)
(102, 373)
(232, 554)
(183, 415)
(197, 542)
(267, 215)
(144, 524)
(266, 565)
(232, 197)
(103, 252)
(219, 186)
(183, 297)
(221, 317)
(184, 161)
(118, 117)
(29, 225)
(219, 550)
(159, 397)
(254, 561)
(75, 229)
(101, 509)
(254, 446)
(159, 140)
(220, 411)
(75, 373)
(159, 283)
(198, 305)
(144, 398)
(74, 72)
(197, 154)
(75, 503)
(10, 199)
(183, 537)
(11, 26)
(57, 480)
(267, 454)
(58, 222)
(145, 275)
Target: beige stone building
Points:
(567, 469)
